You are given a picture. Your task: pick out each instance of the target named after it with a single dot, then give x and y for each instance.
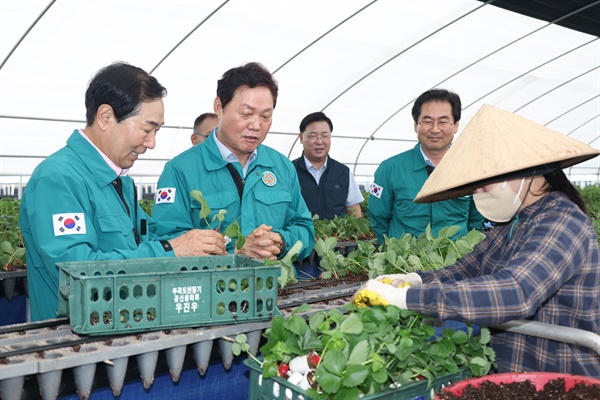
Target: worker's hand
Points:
(198, 242)
(375, 293)
(262, 243)
(400, 280)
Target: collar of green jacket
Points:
(102, 173)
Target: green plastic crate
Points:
(276, 388)
(121, 296)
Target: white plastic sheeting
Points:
(361, 62)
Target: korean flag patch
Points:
(165, 195)
(376, 190)
(69, 224)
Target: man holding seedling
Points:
(540, 262)
(328, 187)
(392, 212)
(80, 205)
(231, 178)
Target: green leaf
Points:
(475, 369)
(269, 369)
(347, 393)
(328, 382)
(334, 361)
(205, 209)
(236, 349)
(459, 337)
(355, 375)
(241, 338)
(197, 195)
(232, 230)
(390, 256)
(415, 262)
(443, 349)
(428, 233)
(6, 247)
(282, 279)
(360, 353)
(450, 259)
(379, 376)
(297, 325)
(240, 242)
(352, 324)
(449, 231)
(290, 256)
(323, 246)
(484, 336)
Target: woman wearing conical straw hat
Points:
(540, 262)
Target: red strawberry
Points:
(283, 370)
(313, 358)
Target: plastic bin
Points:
(280, 389)
(538, 379)
(123, 296)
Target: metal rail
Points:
(552, 332)
(31, 344)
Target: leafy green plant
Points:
(591, 196)
(232, 231)
(348, 228)
(147, 206)
(288, 271)
(426, 252)
(407, 254)
(11, 256)
(12, 248)
(335, 265)
(370, 349)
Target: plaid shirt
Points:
(548, 272)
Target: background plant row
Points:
(342, 229)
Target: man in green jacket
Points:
(80, 205)
(256, 185)
(392, 212)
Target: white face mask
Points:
(499, 204)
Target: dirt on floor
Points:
(553, 390)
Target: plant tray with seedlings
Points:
(124, 296)
(370, 352)
(284, 389)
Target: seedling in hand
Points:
(231, 232)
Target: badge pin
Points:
(269, 178)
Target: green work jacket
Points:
(70, 211)
(271, 195)
(394, 213)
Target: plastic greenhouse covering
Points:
(361, 62)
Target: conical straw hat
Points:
(494, 143)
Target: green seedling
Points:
(233, 231)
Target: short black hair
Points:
(123, 87)
(202, 117)
(315, 117)
(439, 95)
(252, 75)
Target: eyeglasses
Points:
(313, 137)
(199, 134)
(429, 124)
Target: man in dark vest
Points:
(328, 187)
